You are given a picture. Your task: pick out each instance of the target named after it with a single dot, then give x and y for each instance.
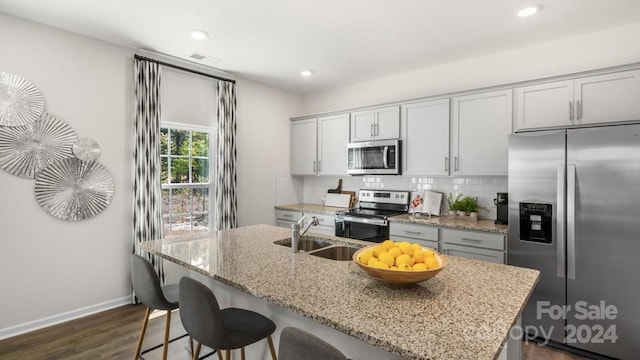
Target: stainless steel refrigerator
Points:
(574, 214)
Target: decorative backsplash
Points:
(312, 189)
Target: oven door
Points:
(374, 157)
(366, 229)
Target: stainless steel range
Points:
(369, 221)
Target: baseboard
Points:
(15, 330)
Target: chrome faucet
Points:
(296, 232)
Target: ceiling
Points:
(342, 41)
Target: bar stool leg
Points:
(142, 332)
(242, 353)
(271, 348)
(196, 353)
(219, 354)
(167, 327)
(228, 355)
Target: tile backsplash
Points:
(314, 188)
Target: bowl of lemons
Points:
(400, 263)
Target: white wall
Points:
(51, 270)
(602, 49)
(49, 266)
(263, 148)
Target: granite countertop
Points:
(311, 208)
(465, 312)
(443, 221)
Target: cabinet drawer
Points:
(322, 230)
(426, 243)
(288, 215)
(472, 238)
(420, 232)
(284, 223)
(474, 253)
(324, 220)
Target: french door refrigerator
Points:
(574, 214)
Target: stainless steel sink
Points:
(307, 243)
(340, 253)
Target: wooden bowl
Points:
(399, 277)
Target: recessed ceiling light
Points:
(306, 72)
(199, 34)
(529, 10)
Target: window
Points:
(186, 179)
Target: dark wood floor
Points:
(114, 334)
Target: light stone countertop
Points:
(453, 223)
(441, 221)
(311, 208)
(465, 312)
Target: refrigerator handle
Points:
(560, 243)
(571, 221)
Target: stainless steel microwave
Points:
(374, 157)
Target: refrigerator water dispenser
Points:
(535, 222)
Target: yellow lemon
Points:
(378, 249)
(416, 247)
(365, 256)
(418, 256)
(431, 263)
(402, 259)
(404, 267)
(406, 249)
(372, 260)
(388, 244)
(419, 267)
(386, 258)
(381, 265)
(393, 268)
(412, 261)
(428, 253)
(395, 252)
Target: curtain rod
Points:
(139, 57)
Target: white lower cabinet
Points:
(284, 218)
(414, 233)
(474, 245)
(327, 223)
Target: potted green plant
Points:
(471, 206)
(454, 204)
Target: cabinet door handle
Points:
(413, 232)
(455, 165)
(371, 132)
(314, 166)
(376, 129)
(287, 215)
(319, 166)
(474, 240)
(571, 111)
(579, 106)
(446, 164)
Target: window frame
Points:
(190, 185)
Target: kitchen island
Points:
(465, 312)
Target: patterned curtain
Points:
(147, 194)
(226, 203)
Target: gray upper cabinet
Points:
(333, 137)
(425, 137)
(319, 146)
(375, 124)
(480, 126)
(588, 100)
(303, 147)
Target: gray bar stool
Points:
(296, 344)
(146, 286)
(220, 329)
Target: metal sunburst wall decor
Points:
(73, 189)
(26, 150)
(86, 149)
(21, 102)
